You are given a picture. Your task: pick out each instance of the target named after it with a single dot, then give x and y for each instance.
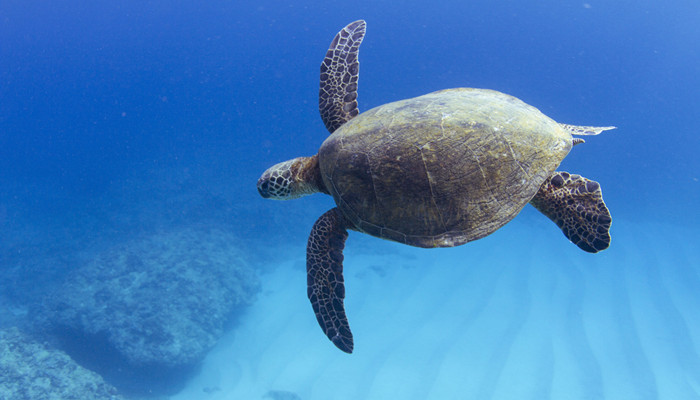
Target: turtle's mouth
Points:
(264, 187)
(281, 181)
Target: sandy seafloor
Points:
(521, 314)
(119, 118)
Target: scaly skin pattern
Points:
(576, 205)
(291, 179)
(324, 268)
(340, 72)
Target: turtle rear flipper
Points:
(576, 205)
(324, 272)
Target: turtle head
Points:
(291, 179)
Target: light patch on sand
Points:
(521, 314)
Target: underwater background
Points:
(135, 249)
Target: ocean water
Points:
(119, 119)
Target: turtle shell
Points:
(441, 169)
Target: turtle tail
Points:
(586, 130)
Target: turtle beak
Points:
(263, 186)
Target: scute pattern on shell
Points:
(441, 169)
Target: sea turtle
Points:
(437, 170)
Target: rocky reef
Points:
(145, 312)
(31, 371)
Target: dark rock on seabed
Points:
(32, 371)
(145, 313)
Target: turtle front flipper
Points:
(340, 71)
(576, 205)
(324, 271)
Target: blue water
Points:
(118, 117)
